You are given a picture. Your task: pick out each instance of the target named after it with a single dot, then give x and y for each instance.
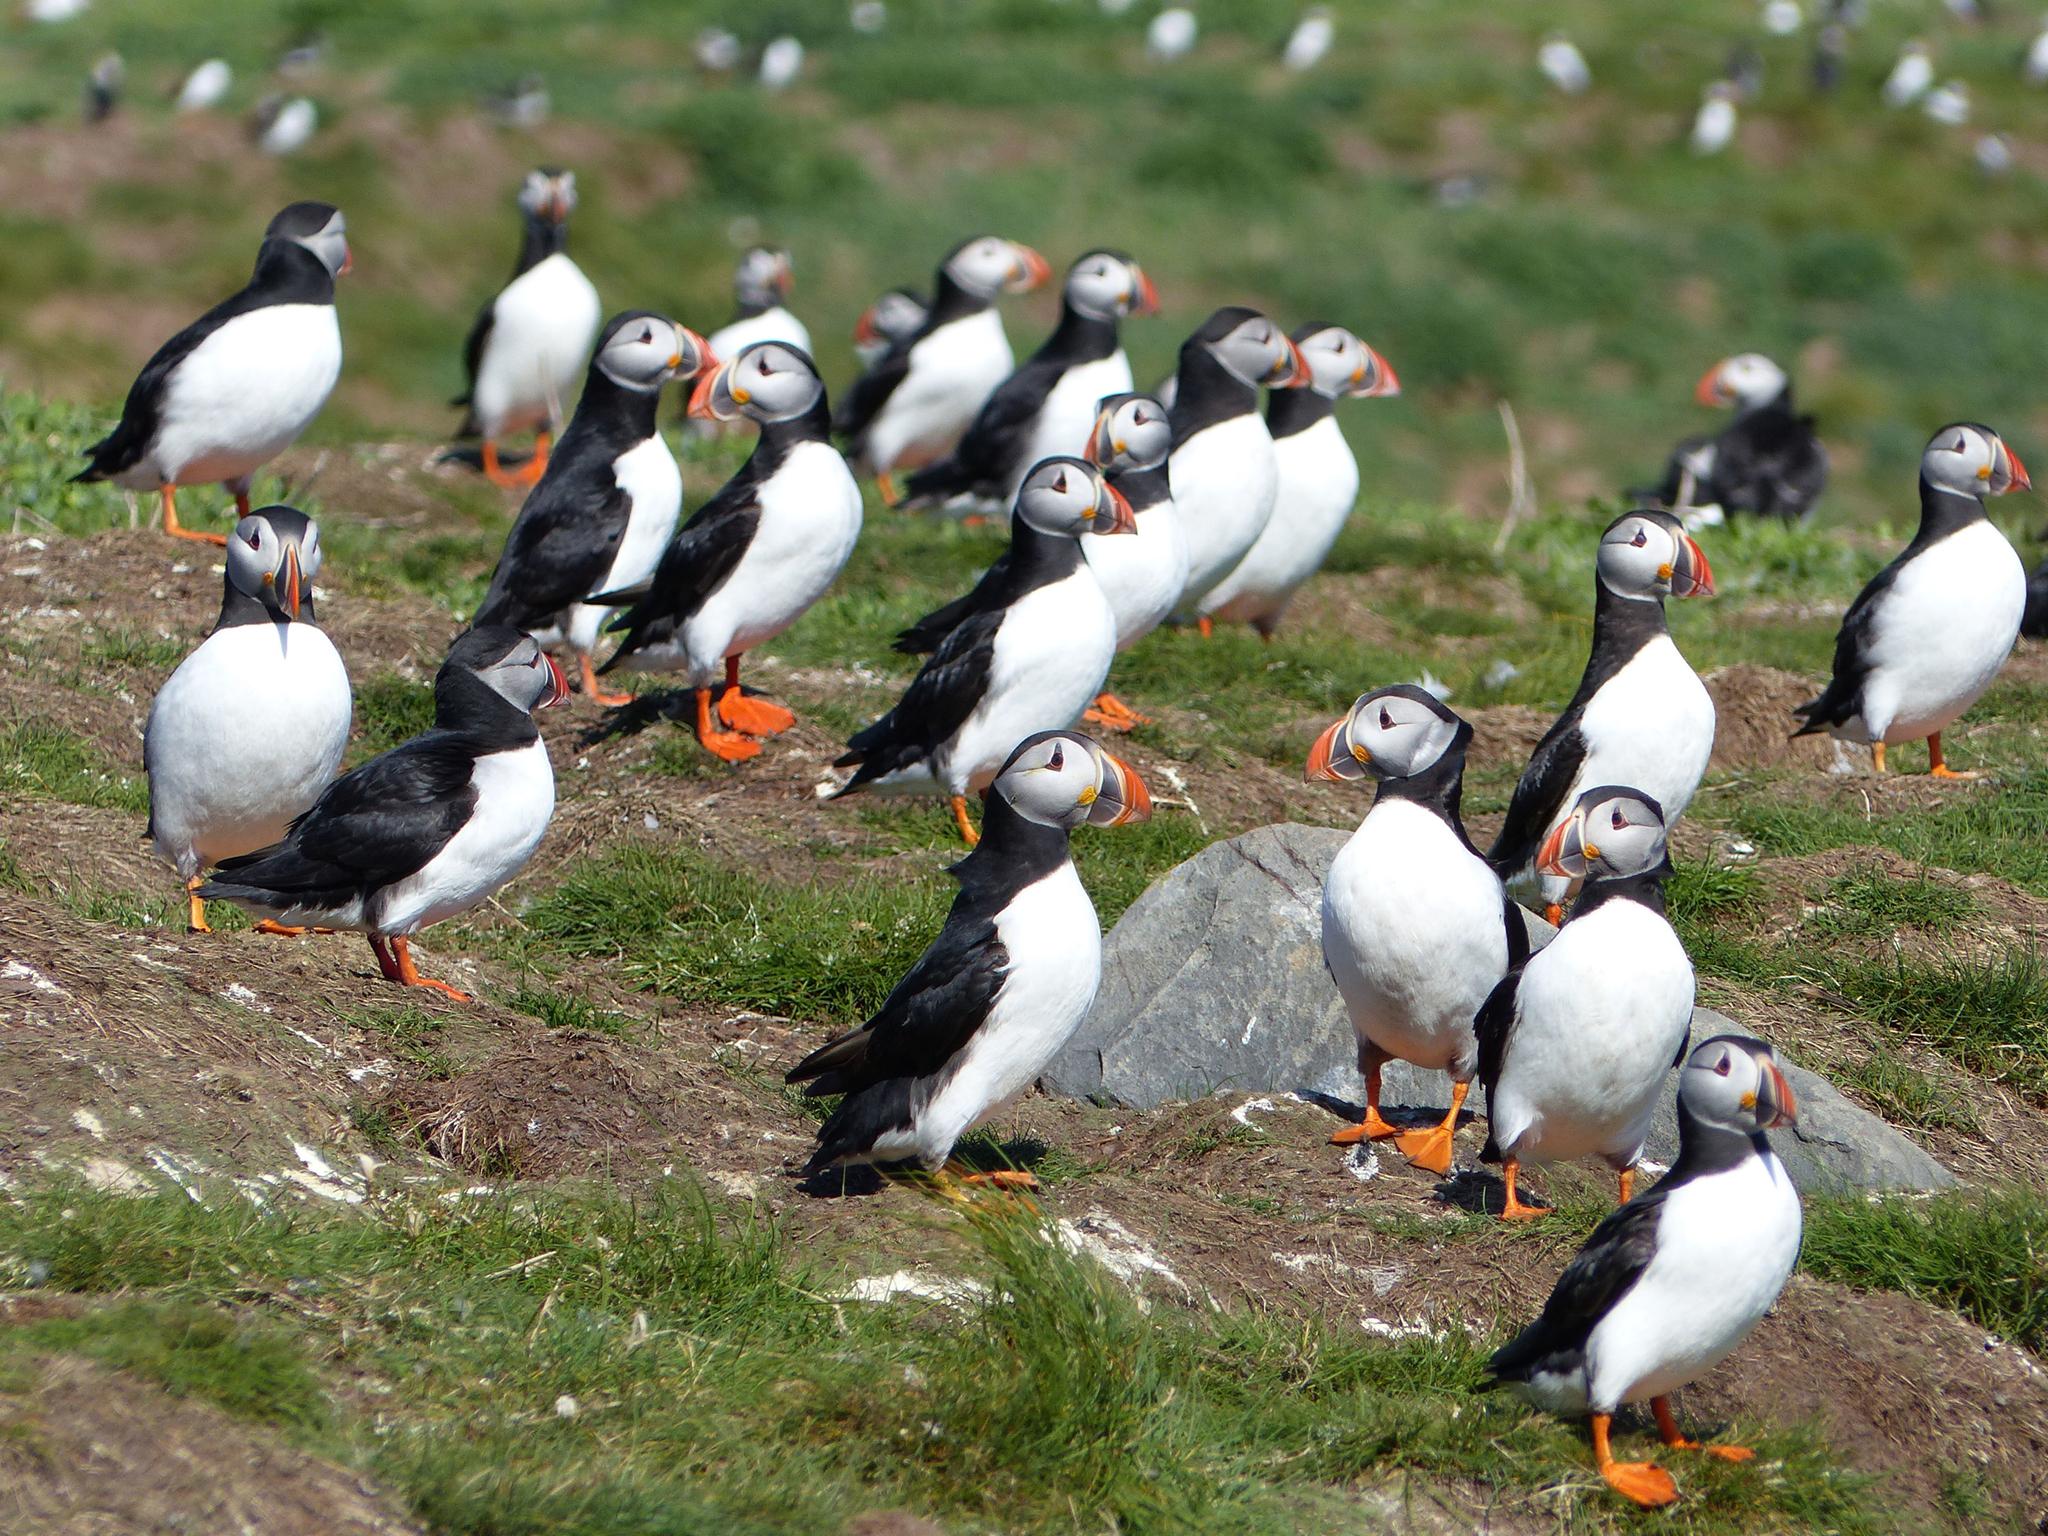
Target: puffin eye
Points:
(1620, 821)
(1060, 485)
(1059, 757)
(1721, 1066)
(1640, 539)
(255, 538)
(1386, 719)
(1962, 444)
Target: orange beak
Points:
(2018, 471)
(1121, 518)
(1385, 383)
(1549, 858)
(1319, 755)
(1098, 450)
(1701, 574)
(1147, 301)
(348, 260)
(1126, 792)
(1298, 376)
(292, 591)
(865, 332)
(1708, 391)
(703, 399)
(560, 690)
(1033, 269)
(1788, 1105)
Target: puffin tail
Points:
(1819, 714)
(861, 1120)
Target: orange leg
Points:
(1372, 1127)
(409, 974)
(592, 689)
(729, 745)
(885, 486)
(1553, 913)
(960, 819)
(1513, 1209)
(1667, 1427)
(382, 950)
(1643, 1481)
(537, 465)
(241, 505)
(495, 472)
(195, 909)
(1936, 766)
(1431, 1149)
(757, 717)
(1628, 1185)
(1206, 625)
(178, 530)
(1877, 757)
(1113, 714)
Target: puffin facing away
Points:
(607, 505)
(893, 317)
(252, 725)
(1641, 715)
(1004, 985)
(913, 406)
(1047, 406)
(1318, 478)
(1031, 648)
(1670, 1284)
(530, 344)
(1574, 1046)
(760, 285)
(1768, 460)
(1417, 930)
(1930, 632)
(237, 386)
(1224, 474)
(430, 829)
(757, 555)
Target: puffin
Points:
(1050, 402)
(237, 386)
(1009, 978)
(606, 506)
(1573, 1046)
(893, 316)
(1641, 715)
(1769, 460)
(913, 405)
(1670, 1284)
(250, 728)
(756, 556)
(760, 285)
(1911, 75)
(1417, 928)
(1318, 478)
(1931, 630)
(1030, 649)
(530, 343)
(430, 829)
(1223, 471)
(1713, 126)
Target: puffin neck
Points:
(238, 607)
(1621, 627)
(1943, 512)
(610, 410)
(1289, 411)
(1144, 489)
(951, 302)
(467, 705)
(813, 426)
(1080, 338)
(1014, 850)
(541, 240)
(1645, 890)
(1779, 404)
(1038, 558)
(1439, 788)
(1704, 1148)
(287, 273)
(1206, 392)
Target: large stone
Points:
(1214, 982)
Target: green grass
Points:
(389, 709)
(46, 762)
(1870, 903)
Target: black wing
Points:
(985, 461)
(1517, 931)
(870, 392)
(123, 447)
(2035, 620)
(1799, 477)
(473, 357)
(1494, 1022)
(937, 703)
(703, 554)
(557, 552)
(1553, 768)
(372, 827)
(926, 635)
(1843, 696)
(1612, 1261)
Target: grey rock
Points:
(1214, 981)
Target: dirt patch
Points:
(1754, 720)
(88, 1452)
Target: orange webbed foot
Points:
(1958, 775)
(1371, 1128)
(1003, 1178)
(729, 746)
(754, 715)
(1113, 714)
(1206, 626)
(1642, 1481)
(1429, 1150)
(1728, 1452)
(594, 690)
(282, 930)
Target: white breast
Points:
(1651, 726)
(1224, 482)
(1318, 485)
(951, 373)
(515, 799)
(777, 324)
(243, 738)
(1726, 1245)
(1940, 634)
(542, 328)
(242, 396)
(1413, 936)
(810, 522)
(1141, 573)
(1603, 1010)
(647, 473)
(1055, 948)
(1068, 415)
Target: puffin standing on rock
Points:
(1670, 1284)
(1574, 1046)
(1930, 632)
(1417, 929)
(250, 729)
(1641, 715)
(1768, 460)
(1318, 478)
(756, 556)
(237, 386)
(1048, 404)
(530, 344)
(1009, 978)
(430, 829)
(1032, 647)
(913, 405)
(607, 505)
(1224, 472)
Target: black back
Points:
(871, 391)
(1205, 392)
(1768, 461)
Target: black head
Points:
(318, 227)
(505, 660)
